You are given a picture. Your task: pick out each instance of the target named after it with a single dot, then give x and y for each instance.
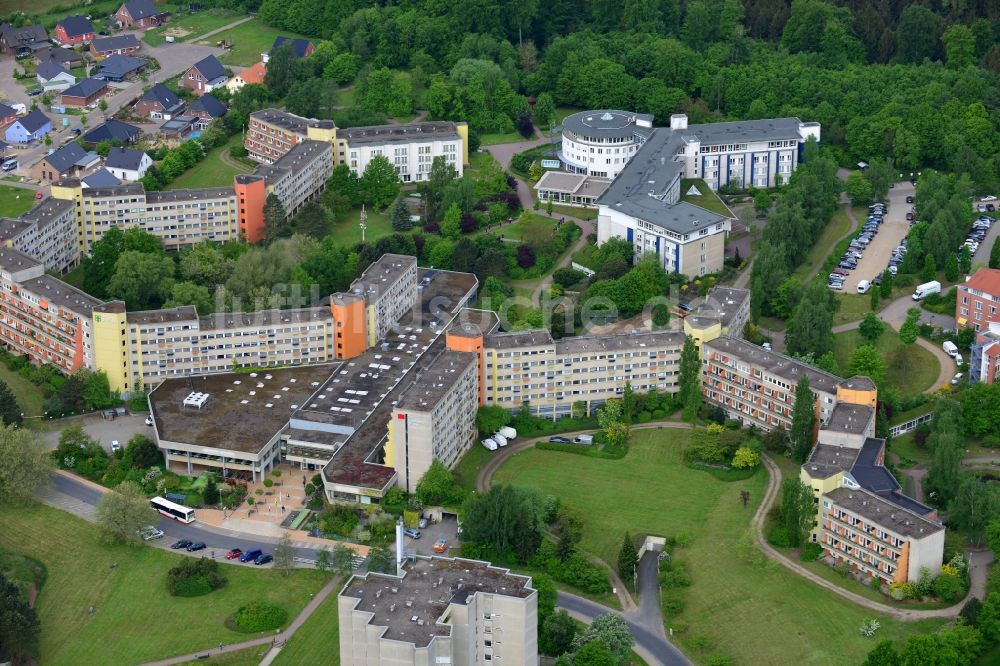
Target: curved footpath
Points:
(979, 562)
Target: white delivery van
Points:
(508, 432)
(949, 348)
(926, 289)
(864, 286)
(583, 439)
(499, 439)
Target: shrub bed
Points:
(194, 578)
(259, 616)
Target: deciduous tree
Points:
(10, 411)
(25, 465)
(284, 555)
(803, 419)
(797, 510)
(122, 512)
(379, 182)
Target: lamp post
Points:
(363, 224)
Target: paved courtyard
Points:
(121, 428)
(893, 230)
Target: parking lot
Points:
(893, 229)
(104, 431)
(446, 529)
(982, 255)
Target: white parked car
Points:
(115, 446)
(149, 420)
(148, 533)
(989, 197)
(957, 378)
(499, 439)
(489, 445)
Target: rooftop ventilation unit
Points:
(195, 399)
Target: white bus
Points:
(170, 510)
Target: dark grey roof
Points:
(209, 105)
(110, 130)
(34, 121)
(210, 68)
(124, 158)
(62, 159)
(85, 88)
(126, 41)
(745, 131)
(410, 133)
(162, 94)
(23, 36)
(299, 46)
(6, 111)
(76, 26)
(786, 367)
(48, 210)
(881, 511)
(58, 55)
(607, 124)
(849, 418)
(50, 69)
(859, 383)
(101, 178)
(140, 9)
(869, 472)
(120, 65)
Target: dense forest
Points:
(908, 81)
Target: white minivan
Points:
(950, 348)
(864, 286)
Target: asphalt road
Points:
(654, 649)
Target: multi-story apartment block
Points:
(984, 359)
(553, 375)
(436, 418)
(978, 302)
(378, 299)
(757, 386)
(46, 233)
(42, 318)
(439, 611)
(600, 143)
(411, 148)
(724, 313)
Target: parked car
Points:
(149, 420)
(115, 446)
(957, 378)
(149, 532)
(909, 199)
(559, 440)
(234, 553)
(263, 559)
(197, 545)
(990, 207)
(981, 207)
(440, 545)
(989, 197)
(422, 523)
(183, 543)
(412, 533)
(34, 92)
(251, 555)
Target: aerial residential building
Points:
(204, 76)
(105, 47)
(984, 359)
(46, 233)
(32, 127)
(158, 103)
(74, 30)
(978, 302)
(7, 115)
(439, 611)
(756, 386)
(600, 143)
(435, 419)
(410, 148)
(301, 48)
(272, 132)
(100, 178)
(206, 109)
(43, 318)
(378, 299)
(139, 14)
(70, 161)
(127, 164)
(724, 312)
(65, 57)
(84, 93)
(53, 76)
(119, 68)
(23, 40)
(253, 74)
(113, 130)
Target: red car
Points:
(38, 194)
(234, 554)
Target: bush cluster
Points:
(194, 578)
(260, 616)
(576, 570)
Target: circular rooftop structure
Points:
(600, 124)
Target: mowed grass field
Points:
(29, 397)
(317, 641)
(248, 41)
(195, 25)
(16, 200)
(135, 620)
(755, 613)
(909, 368)
(212, 171)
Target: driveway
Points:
(894, 229)
(447, 529)
(982, 255)
(104, 431)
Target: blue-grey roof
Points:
(6, 111)
(120, 65)
(58, 55)
(210, 68)
(49, 70)
(126, 41)
(209, 105)
(85, 88)
(76, 26)
(101, 178)
(111, 130)
(124, 158)
(34, 121)
(607, 123)
(140, 9)
(24, 35)
(745, 131)
(62, 159)
(164, 95)
(299, 46)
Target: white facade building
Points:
(410, 148)
(600, 143)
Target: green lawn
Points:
(708, 200)
(509, 137)
(576, 211)
(346, 231)
(211, 171)
(479, 160)
(196, 24)
(752, 611)
(909, 368)
(250, 656)
(561, 113)
(834, 230)
(248, 40)
(525, 227)
(29, 396)
(852, 307)
(316, 641)
(15, 200)
(134, 618)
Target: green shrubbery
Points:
(259, 616)
(194, 578)
(576, 570)
(811, 552)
